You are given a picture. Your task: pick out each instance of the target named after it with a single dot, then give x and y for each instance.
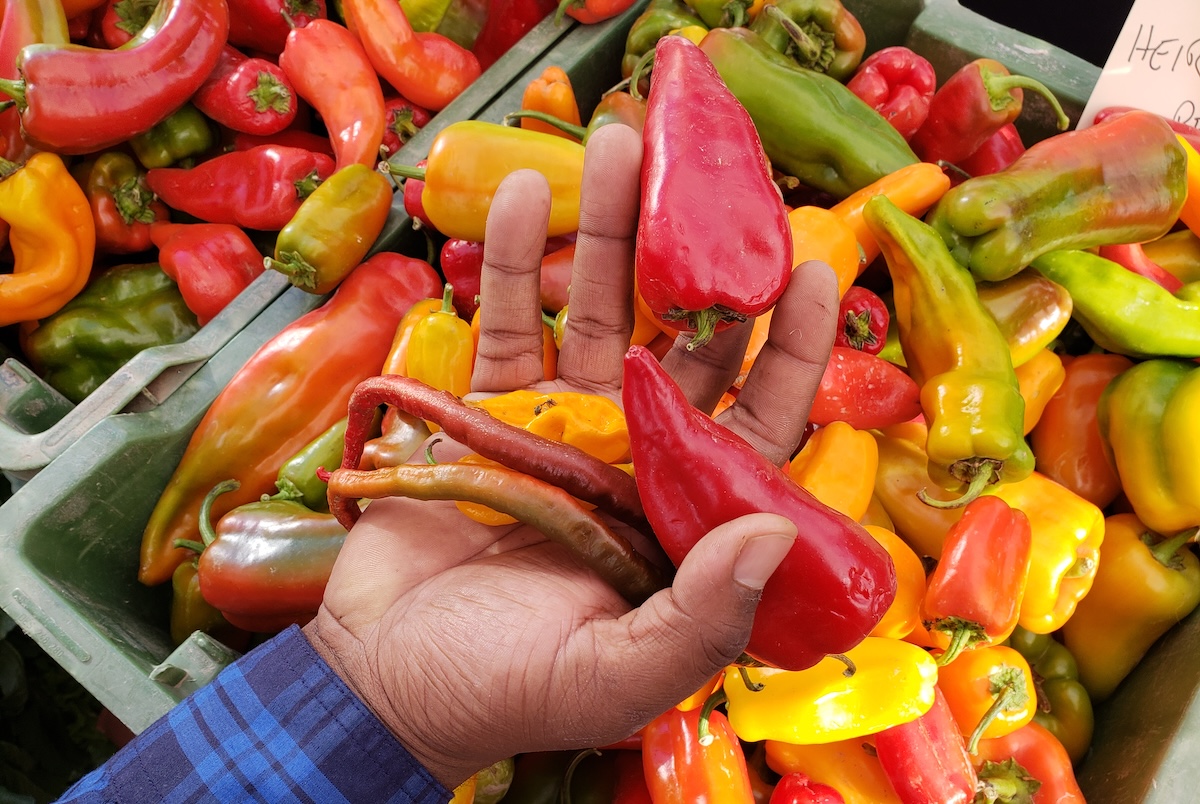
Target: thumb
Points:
(679, 638)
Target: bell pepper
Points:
(1067, 439)
(972, 105)
(1039, 379)
(123, 19)
(333, 229)
(1064, 706)
(265, 564)
(190, 612)
(903, 471)
(1121, 311)
(468, 160)
(186, 133)
(836, 582)
(974, 595)
(739, 269)
(77, 100)
(904, 615)
(243, 435)
(401, 122)
(1144, 586)
(551, 93)
(441, 352)
(811, 126)
(897, 83)
(249, 95)
(680, 767)
(1030, 310)
(958, 356)
(264, 25)
(52, 236)
(820, 234)
(589, 12)
(796, 788)
(1131, 257)
(123, 207)
(997, 152)
(1178, 253)
(892, 683)
(297, 479)
(864, 321)
(426, 67)
(659, 19)
(122, 311)
(1147, 416)
(837, 466)
(848, 766)
(211, 262)
(507, 21)
(1037, 756)
(990, 691)
(819, 35)
(329, 68)
(926, 759)
(1123, 181)
(24, 22)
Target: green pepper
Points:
(811, 126)
(186, 133)
(957, 354)
(298, 477)
(190, 612)
(425, 15)
(819, 34)
(1064, 706)
(723, 13)
(122, 311)
(659, 19)
(1122, 311)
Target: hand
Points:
(475, 643)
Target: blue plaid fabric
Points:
(277, 725)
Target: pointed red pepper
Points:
(926, 760)
(705, 265)
(693, 475)
(211, 262)
(249, 95)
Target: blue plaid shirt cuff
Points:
(277, 725)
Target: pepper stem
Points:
(133, 201)
(703, 735)
(963, 634)
(705, 323)
(285, 490)
(851, 668)
(646, 62)
(564, 796)
(735, 14)
(1008, 685)
(981, 475)
(562, 9)
(448, 299)
(270, 94)
(998, 86)
(810, 51)
(751, 684)
(307, 185)
(403, 171)
(190, 544)
(6, 105)
(1005, 782)
(548, 319)
(206, 527)
(298, 270)
(857, 328)
(575, 131)
(14, 89)
(8, 168)
(1164, 552)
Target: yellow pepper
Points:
(837, 466)
(876, 514)
(893, 683)
(903, 616)
(847, 766)
(551, 93)
(698, 698)
(913, 188)
(441, 350)
(465, 792)
(1190, 213)
(692, 33)
(1039, 379)
(396, 362)
(1177, 253)
(52, 234)
(819, 234)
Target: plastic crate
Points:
(37, 423)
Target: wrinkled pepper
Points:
(24, 22)
(659, 19)
(253, 96)
(897, 83)
(734, 271)
(990, 691)
(812, 127)
(441, 351)
(211, 262)
(958, 356)
(52, 236)
(1067, 440)
(926, 759)
(468, 160)
(679, 767)
(1144, 586)
(914, 188)
(333, 229)
(904, 615)
(1030, 310)
(892, 683)
(1039, 380)
(551, 93)
(1037, 757)
(848, 579)
(593, 423)
(849, 766)
(819, 35)
(123, 207)
(76, 100)
(837, 466)
(264, 25)
(183, 135)
(246, 435)
(1064, 706)
(1147, 416)
(122, 311)
(1123, 181)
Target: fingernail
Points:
(759, 557)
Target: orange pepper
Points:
(820, 234)
(551, 93)
(990, 691)
(913, 188)
(904, 615)
(396, 359)
(837, 466)
(441, 350)
(698, 698)
(1190, 213)
(1039, 379)
(847, 766)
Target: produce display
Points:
(995, 497)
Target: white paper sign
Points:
(1155, 63)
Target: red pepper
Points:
(250, 95)
(631, 787)
(864, 318)
(78, 29)
(429, 68)
(264, 25)
(290, 137)
(897, 83)
(1133, 258)
(329, 68)
(258, 189)
(402, 120)
(973, 104)
(123, 19)
(1041, 758)
(508, 21)
(679, 768)
(864, 391)
(211, 262)
(413, 188)
(997, 152)
(973, 597)
(123, 207)
(796, 788)
(24, 22)
(590, 12)
(926, 760)
(75, 100)
(739, 246)
(461, 262)
(1190, 133)
(693, 475)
